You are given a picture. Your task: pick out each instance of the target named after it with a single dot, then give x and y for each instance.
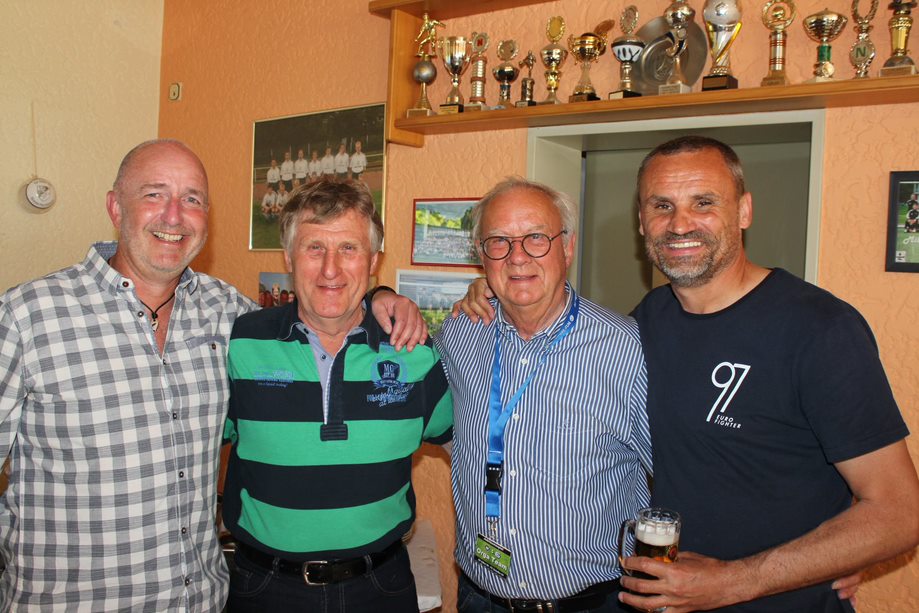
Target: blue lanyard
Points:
(498, 415)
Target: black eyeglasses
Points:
(535, 245)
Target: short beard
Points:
(716, 258)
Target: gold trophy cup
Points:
(587, 49)
(899, 63)
(505, 72)
(478, 73)
(678, 16)
(823, 28)
(553, 56)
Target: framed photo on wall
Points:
(433, 292)
(903, 222)
(290, 151)
(442, 232)
(275, 289)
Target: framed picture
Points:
(442, 232)
(275, 289)
(903, 222)
(292, 151)
(433, 292)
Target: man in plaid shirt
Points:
(113, 394)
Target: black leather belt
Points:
(589, 598)
(320, 572)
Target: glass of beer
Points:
(656, 534)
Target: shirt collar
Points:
(97, 265)
(507, 329)
(290, 319)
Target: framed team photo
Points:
(442, 232)
(433, 292)
(903, 222)
(275, 289)
(291, 151)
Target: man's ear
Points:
(114, 208)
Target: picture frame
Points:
(275, 289)
(903, 222)
(442, 232)
(433, 292)
(322, 134)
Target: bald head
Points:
(130, 159)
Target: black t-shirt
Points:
(750, 407)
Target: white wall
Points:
(79, 86)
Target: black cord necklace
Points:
(154, 313)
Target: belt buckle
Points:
(306, 572)
(537, 605)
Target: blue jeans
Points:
(469, 600)
(390, 587)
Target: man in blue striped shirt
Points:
(551, 445)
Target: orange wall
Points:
(239, 64)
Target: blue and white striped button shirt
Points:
(114, 446)
(577, 448)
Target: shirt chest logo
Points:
(728, 377)
(388, 378)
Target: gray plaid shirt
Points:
(114, 447)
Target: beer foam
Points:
(656, 534)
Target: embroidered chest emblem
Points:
(388, 379)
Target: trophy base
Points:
(474, 106)
(419, 113)
(777, 80)
(451, 109)
(522, 104)
(673, 88)
(713, 82)
(588, 97)
(624, 93)
(818, 79)
(897, 71)
(550, 101)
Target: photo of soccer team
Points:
(293, 151)
(903, 223)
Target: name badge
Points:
(493, 555)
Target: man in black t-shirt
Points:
(769, 410)
(912, 217)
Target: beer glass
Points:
(656, 534)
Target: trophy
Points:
(425, 71)
(722, 24)
(678, 17)
(553, 56)
(777, 16)
(862, 52)
(823, 28)
(587, 49)
(505, 72)
(527, 83)
(478, 73)
(899, 63)
(454, 52)
(626, 48)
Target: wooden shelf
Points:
(446, 9)
(405, 22)
(860, 92)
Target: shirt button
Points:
(164, 361)
(322, 356)
(524, 361)
(513, 472)
(187, 580)
(516, 416)
(184, 530)
(213, 345)
(125, 284)
(181, 473)
(140, 313)
(513, 531)
(523, 584)
(175, 415)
